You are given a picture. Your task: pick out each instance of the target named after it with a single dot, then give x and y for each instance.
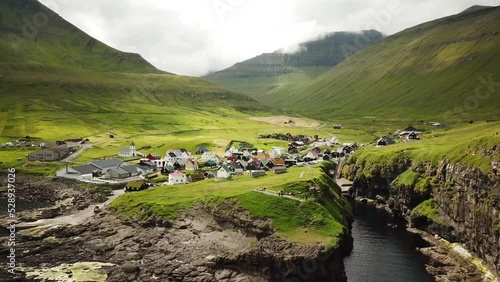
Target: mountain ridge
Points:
(428, 71)
(313, 57)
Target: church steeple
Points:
(132, 146)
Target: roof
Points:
(202, 148)
(132, 144)
(279, 168)
(182, 161)
(172, 154)
(177, 173)
(125, 149)
(130, 168)
(410, 128)
(107, 163)
(58, 148)
(148, 163)
(135, 184)
(226, 168)
(344, 182)
(85, 169)
(119, 170)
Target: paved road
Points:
(73, 156)
(72, 219)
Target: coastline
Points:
(445, 261)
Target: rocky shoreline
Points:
(203, 244)
(444, 262)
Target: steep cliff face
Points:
(465, 201)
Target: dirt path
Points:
(73, 219)
(275, 194)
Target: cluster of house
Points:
(183, 167)
(410, 133)
(235, 162)
(289, 137)
(108, 169)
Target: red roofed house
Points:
(177, 177)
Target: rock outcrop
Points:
(468, 201)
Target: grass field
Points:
(469, 144)
(291, 218)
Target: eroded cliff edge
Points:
(458, 202)
(215, 240)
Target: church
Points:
(128, 152)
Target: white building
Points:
(209, 156)
(224, 172)
(176, 178)
(276, 152)
(128, 152)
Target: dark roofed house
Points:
(50, 154)
(107, 164)
(132, 169)
(412, 136)
(385, 141)
(410, 128)
(136, 186)
(118, 172)
(279, 169)
(83, 170)
(201, 150)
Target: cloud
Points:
(193, 37)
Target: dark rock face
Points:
(468, 199)
(471, 200)
(195, 247)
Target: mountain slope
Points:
(271, 70)
(428, 71)
(51, 71)
(30, 33)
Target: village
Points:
(179, 166)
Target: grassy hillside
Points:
(270, 71)
(32, 36)
(430, 71)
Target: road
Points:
(73, 219)
(73, 156)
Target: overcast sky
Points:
(193, 37)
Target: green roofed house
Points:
(224, 172)
(136, 186)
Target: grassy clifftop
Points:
(320, 218)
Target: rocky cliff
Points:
(460, 203)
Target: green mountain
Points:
(51, 70)
(447, 69)
(311, 59)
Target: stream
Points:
(382, 253)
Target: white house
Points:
(128, 152)
(313, 154)
(177, 177)
(171, 157)
(333, 140)
(276, 152)
(224, 172)
(209, 156)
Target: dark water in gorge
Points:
(382, 253)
